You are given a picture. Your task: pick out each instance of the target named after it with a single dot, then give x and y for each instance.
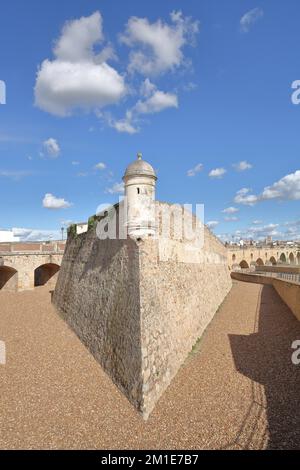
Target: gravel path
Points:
(238, 390)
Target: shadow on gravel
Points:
(265, 358)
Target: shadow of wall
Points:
(97, 294)
(265, 358)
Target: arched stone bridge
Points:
(26, 265)
(245, 257)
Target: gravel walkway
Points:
(237, 390)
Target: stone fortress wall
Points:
(139, 305)
(180, 294)
(97, 294)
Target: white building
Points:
(8, 236)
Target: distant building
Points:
(8, 236)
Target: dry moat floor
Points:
(237, 390)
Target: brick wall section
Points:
(48, 248)
(5, 247)
(19, 247)
(26, 247)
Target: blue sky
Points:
(192, 85)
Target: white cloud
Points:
(155, 101)
(256, 233)
(195, 170)
(286, 189)
(190, 86)
(100, 166)
(217, 173)
(270, 229)
(78, 38)
(147, 88)
(52, 202)
(288, 231)
(78, 77)
(15, 175)
(212, 223)
(250, 18)
(293, 223)
(117, 188)
(242, 166)
(157, 47)
(230, 210)
(123, 125)
(231, 219)
(243, 197)
(257, 222)
(75, 162)
(51, 147)
(28, 234)
(293, 229)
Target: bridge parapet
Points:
(287, 285)
(32, 248)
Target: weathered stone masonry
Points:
(139, 304)
(97, 294)
(178, 300)
(139, 316)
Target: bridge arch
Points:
(44, 272)
(298, 257)
(273, 261)
(259, 262)
(244, 264)
(282, 258)
(292, 258)
(8, 279)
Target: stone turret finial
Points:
(139, 156)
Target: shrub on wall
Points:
(72, 230)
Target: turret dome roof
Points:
(139, 168)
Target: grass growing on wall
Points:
(72, 231)
(92, 222)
